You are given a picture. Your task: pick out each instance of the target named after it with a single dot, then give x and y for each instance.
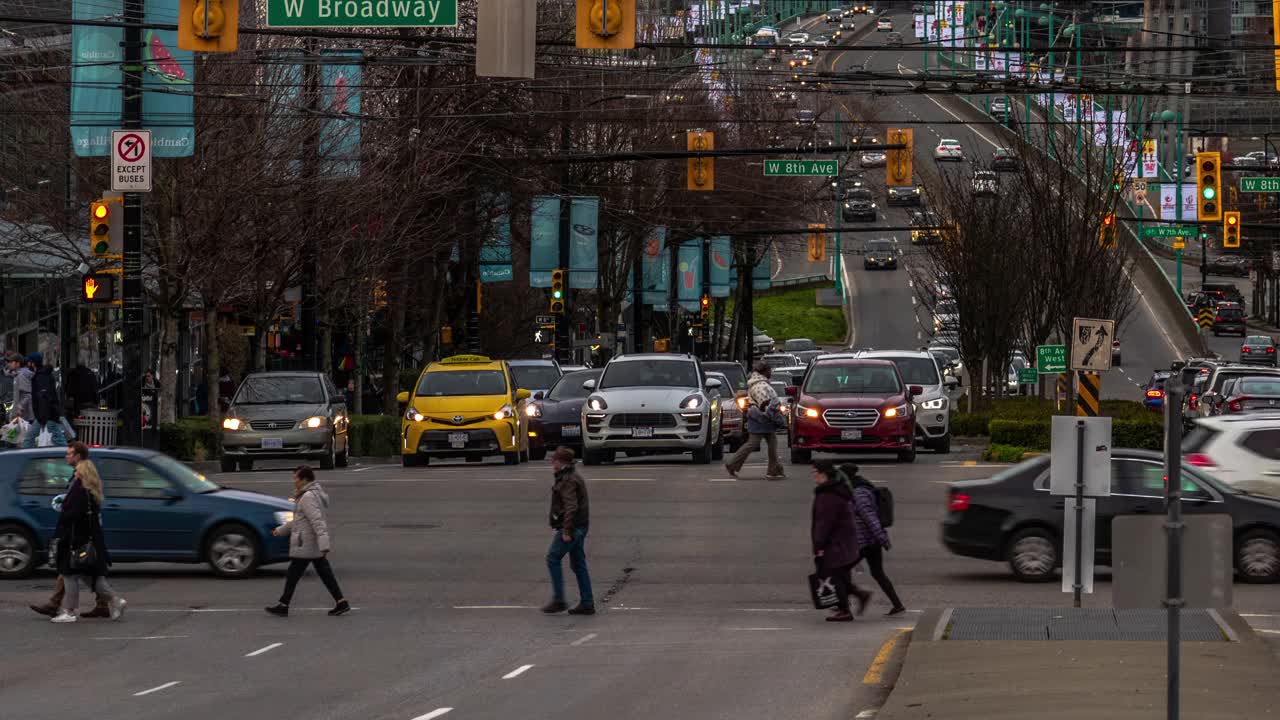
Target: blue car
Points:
(1153, 391)
(156, 509)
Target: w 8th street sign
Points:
(362, 13)
(821, 168)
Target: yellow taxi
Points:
(464, 406)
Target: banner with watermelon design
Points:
(96, 83)
(721, 258)
(689, 275)
(340, 136)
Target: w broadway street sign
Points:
(823, 168)
(362, 13)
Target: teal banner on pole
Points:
(721, 257)
(96, 83)
(584, 231)
(689, 274)
(283, 76)
(655, 265)
(761, 275)
(495, 253)
(544, 240)
(340, 95)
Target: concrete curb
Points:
(209, 467)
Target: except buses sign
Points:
(362, 13)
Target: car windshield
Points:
(1221, 379)
(1230, 313)
(859, 194)
(534, 377)
(650, 373)
(737, 376)
(798, 345)
(948, 141)
(852, 379)
(180, 473)
(917, 370)
(458, 383)
(1258, 386)
(279, 390)
(569, 387)
(879, 246)
(1258, 340)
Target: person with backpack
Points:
(46, 404)
(873, 513)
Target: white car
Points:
(946, 316)
(884, 25)
(933, 407)
(651, 403)
(1239, 450)
(872, 159)
(821, 41)
(948, 149)
(798, 38)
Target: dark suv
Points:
(853, 405)
(1229, 319)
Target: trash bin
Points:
(97, 428)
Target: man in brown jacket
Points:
(570, 515)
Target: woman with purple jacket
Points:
(873, 539)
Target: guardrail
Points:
(800, 281)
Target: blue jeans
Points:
(33, 432)
(577, 552)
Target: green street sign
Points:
(1260, 184)
(1051, 359)
(1028, 376)
(361, 13)
(1168, 231)
(822, 168)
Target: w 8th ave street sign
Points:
(1260, 184)
(822, 168)
(362, 13)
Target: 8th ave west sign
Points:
(821, 168)
(362, 13)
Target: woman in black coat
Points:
(79, 526)
(835, 544)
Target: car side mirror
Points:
(539, 395)
(522, 394)
(712, 383)
(402, 397)
(915, 390)
(589, 385)
(793, 391)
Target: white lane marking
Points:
(758, 629)
(583, 640)
(517, 672)
(492, 607)
(1269, 632)
(866, 714)
(1257, 615)
(621, 480)
(262, 650)
(224, 610)
(143, 637)
(157, 688)
(362, 469)
(722, 479)
(945, 109)
(434, 714)
(633, 608)
(773, 610)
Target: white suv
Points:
(650, 404)
(1242, 451)
(933, 407)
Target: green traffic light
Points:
(1209, 193)
(556, 294)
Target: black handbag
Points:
(823, 591)
(84, 557)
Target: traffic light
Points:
(606, 24)
(103, 225)
(705, 309)
(702, 171)
(446, 335)
(1208, 184)
(1107, 231)
(661, 345)
(817, 243)
(557, 292)
(897, 163)
(1117, 182)
(97, 289)
(208, 25)
(1231, 229)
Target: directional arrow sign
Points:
(1091, 344)
(1051, 359)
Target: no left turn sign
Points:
(131, 160)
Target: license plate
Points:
(850, 434)
(571, 431)
(272, 443)
(458, 439)
(642, 432)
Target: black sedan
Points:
(1259, 350)
(1233, 265)
(555, 420)
(1011, 517)
(905, 195)
(858, 205)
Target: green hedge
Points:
(1005, 453)
(979, 422)
(375, 435)
(190, 438)
(1144, 433)
(970, 424)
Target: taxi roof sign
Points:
(465, 360)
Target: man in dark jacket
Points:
(46, 404)
(835, 545)
(570, 516)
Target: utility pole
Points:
(307, 311)
(131, 270)
(564, 333)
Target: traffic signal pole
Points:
(564, 335)
(131, 276)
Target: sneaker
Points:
(118, 604)
(99, 611)
(553, 607)
(583, 610)
(897, 610)
(732, 473)
(778, 476)
(64, 617)
(46, 610)
(840, 617)
(279, 609)
(342, 608)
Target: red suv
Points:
(853, 405)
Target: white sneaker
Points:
(118, 604)
(64, 617)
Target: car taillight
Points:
(1115, 343)
(1271, 349)
(1200, 460)
(1193, 402)
(1218, 319)
(1155, 393)
(1235, 406)
(959, 502)
(1245, 349)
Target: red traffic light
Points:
(1108, 220)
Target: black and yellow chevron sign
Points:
(1088, 393)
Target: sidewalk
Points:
(1230, 676)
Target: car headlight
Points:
(693, 402)
(742, 403)
(313, 422)
(934, 404)
(899, 411)
(504, 412)
(283, 516)
(533, 410)
(412, 415)
(232, 423)
(597, 403)
(807, 411)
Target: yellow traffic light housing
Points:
(705, 309)
(897, 163)
(1231, 229)
(446, 335)
(208, 25)
(606, 24)
(817, 243)
(557, 292)
(105, 228)
(97, 289)
(702, 171)
(1208, 186)
(1108, 232)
